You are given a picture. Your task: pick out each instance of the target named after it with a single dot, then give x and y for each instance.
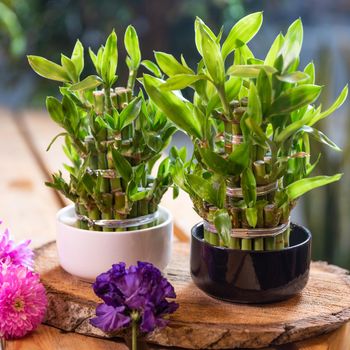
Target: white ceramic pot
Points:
(86, 254)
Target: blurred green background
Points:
(49, 27)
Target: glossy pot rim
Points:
(308, 239)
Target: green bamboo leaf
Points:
(259, 137)
(212, 58)
(252, 216)
(175, 109)
(48, 69)
(211, 191)
(300, 187)
(181, 81)
(294, 77)
(254, 106)
(320, 137)
(99, 58)
(242, 32)
(169, 65)
(292, 44)
(131, 42)
(337, 103)
(122, 166)
(294, 98)
(78, 57)
(110, 59)
(310, 167)
(248, 185)
(93, 58)
(54, 140)
(292, 129)
(239, 159)
(223, 225)
(274, 50)
(90, 82)
(71, 113)
(310, 71)
(69, 67)
(243, 55)
(214, 161)
(249, 71)
(54, 107)
(264, 88)
(198, 23)
(130, 113)
(152, 67)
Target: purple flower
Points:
(110, 318)
(139, 290)
(12, 254)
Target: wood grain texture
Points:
(49, 338)
(27, 207)
(205, 323)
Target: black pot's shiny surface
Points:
(251, 276)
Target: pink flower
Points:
(10, 253)
(23, 301)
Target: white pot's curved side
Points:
(86, 254)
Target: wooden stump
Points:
(205, 323)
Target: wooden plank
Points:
(336, 340)
(49, 338)
(27, 207)
(41, 130)
(203, 322)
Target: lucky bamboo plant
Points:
(251, 121)
(113, 137)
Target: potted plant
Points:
(113, 138)
(251, 124)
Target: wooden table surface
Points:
(28, 209)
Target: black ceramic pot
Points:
(247, 276)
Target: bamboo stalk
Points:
(259, 243)
(106, 213)
(279, 242)
(94, 214)
(80, 209)
(286, 236)
(270, 243)
(246, 244)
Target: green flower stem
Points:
(134, 335)
(206, 236)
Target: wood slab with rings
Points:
(205, 323)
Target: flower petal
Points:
(109, 318)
